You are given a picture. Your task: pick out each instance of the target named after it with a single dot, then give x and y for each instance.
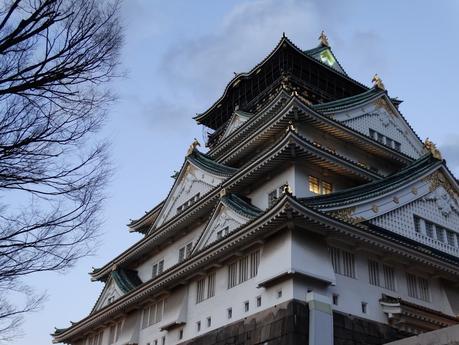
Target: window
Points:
(200, 290)
(243, 269)
(95, 339)
(314, 185)
(373, 272)
(275, 195)
(435, 231)
(188, 203)
(163, 340)
(157, 268)
(259, 301)
(229, 313)
(114, 332)
(418, 287)
(198, 326)
(317, 186)
(185, 251)
(417, 224)
(389, 277)
(440, 234)
(180, 336)
(156, 341)
(205, 287)
(209, 321)
(343, 262)
(279, 294)
(335, 299)
(246, 306)
(385, 140)
(152, 314)
(364, 307)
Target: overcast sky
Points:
(179, 55)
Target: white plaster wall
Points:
(259, 197)
(169, 253)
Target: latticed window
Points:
(451, 238)
(314, 185)
(440, 233)
(157, 268)
(343, 262)
(389, 277)
(211, 285)
(336, 259)
(201, 284)
(417, 224)
(152, 314)
(418, 287)
(243, 269)
(429, 229)
(373, 272)
(412, 285)
(424, 291)
(327, 187)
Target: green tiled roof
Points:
(241, 206)
(352, 101)
(372, 189)
(206, 163)
(126, 279)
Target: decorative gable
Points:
(379, 119)
(198, 175)
(237, 120)
(230, 213)
(110, 293)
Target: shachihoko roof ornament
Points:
(193, 146)
(377, 82)
(432, 148)
(324, 39)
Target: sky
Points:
(178, 57)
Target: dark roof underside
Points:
(238, 204)
(208, 164)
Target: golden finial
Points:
(432, 148)
(287, 190)
(323, 39)
(223, 192)
(193, 146)
(377, 82)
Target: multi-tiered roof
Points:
(295, 107)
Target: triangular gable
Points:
(237, 120)
(110, 293)
(374, 115)
(432, 199)
(199, 174)
(325, 55)
(230, 214)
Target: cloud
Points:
(201, 67)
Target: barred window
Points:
(389, 277)
(336, 259)
(200, 290)
(429, 229)
(152, 314)
(451, 238)
(440, 234)
(188, 203)
(232, 275)
(417, 224)
(343, 262)
(157, 268)
(211, 285)
(424, 291)
(314, 185)
(373, 272)
(185, 251)
(243, 269)
(412, 285)
(348, 264)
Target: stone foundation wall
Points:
(288, 324)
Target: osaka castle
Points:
(314, 214)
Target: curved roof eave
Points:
(284, 39)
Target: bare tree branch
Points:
(56, 58)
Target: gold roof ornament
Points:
(223, 192)
(193, 146)
(323, 39)
(290, 127)
(377, 82)
(287, 190)
(432, 148)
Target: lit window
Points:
(314, 185)
(327, 187)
